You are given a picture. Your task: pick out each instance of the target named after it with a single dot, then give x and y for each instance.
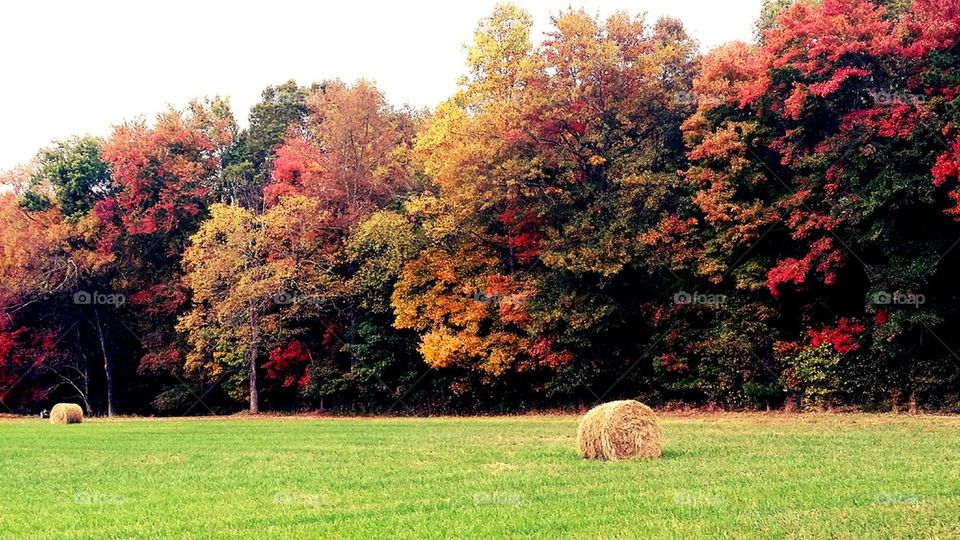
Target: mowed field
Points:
(724, 475)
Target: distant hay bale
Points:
(620, 430)
(66, 413)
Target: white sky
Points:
(75, 67)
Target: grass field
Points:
(740, 476)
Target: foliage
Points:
(75, 172)
(812, 374)
(603, 213)
(247, 274)
(248, 163)
(816, 155)
(552, 167)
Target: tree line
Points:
(604, 213)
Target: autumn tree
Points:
(163, 174)
(248, 163)
(352, 157)
(46, 253)
(29, 270)
(248, 274)
(554, 168)
(813, 156)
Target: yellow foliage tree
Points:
(248, 273)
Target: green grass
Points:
(738, 476)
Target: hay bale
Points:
(66, 413)
(620, 430)
(589, 432)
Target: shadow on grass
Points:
(673, 453)
(668, 454)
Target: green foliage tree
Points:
(74, 173)
(248, 164)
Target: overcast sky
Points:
(77, 67)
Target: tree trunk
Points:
(86, 389)
(107, 363)
(791, 405)
(254, 337)
(86, 378)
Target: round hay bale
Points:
(589, 432)
(66, 413)
(620, 430)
